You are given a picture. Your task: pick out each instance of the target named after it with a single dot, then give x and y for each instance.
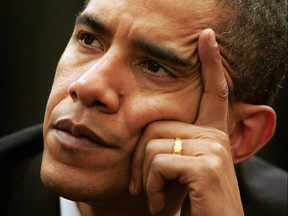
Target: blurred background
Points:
(33, 36)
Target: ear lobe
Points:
(254, 126)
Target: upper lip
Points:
(80, 130)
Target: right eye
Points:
(155, 68)
(90, 41)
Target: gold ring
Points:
(177, 149)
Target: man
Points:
(136, 125)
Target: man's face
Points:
(128, 63)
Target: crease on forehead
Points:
(187, 12)
(182, 28)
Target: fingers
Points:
(163, 169)
(213, 109)
(159, 137)
(191, 147)
(157, 130)
(210, 180)
(156, 143)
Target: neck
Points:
(128, 205)
(121, 207)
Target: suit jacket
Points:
(263, 187)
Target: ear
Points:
(250, 127)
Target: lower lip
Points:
(70, 141)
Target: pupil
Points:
(153, 66)
(88, 39)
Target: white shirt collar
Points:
(68, 208)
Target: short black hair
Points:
(255, 44)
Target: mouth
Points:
(78, 135)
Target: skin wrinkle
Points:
(205, 24)
(193, 55)
(92, 22)
(206, 21)
(199, 16)
(131, 118)
(164, 53)
(87, 91)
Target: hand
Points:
(204, 173)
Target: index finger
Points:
(213, 109)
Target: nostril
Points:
(99, 104)
(72, 91)
(73, 95)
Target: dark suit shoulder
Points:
(21, 190)
(263, 188)
(20, 145)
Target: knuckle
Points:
(157, 161)
(208, 172)
(213, 168)
(219, 136)
(223, 92)
(153, 127)
(150, 147)
(218, 149)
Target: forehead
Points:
(188, 13)
(174, 24)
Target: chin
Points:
(81, 185)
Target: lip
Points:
(78, 135)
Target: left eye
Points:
(154, 67)
(89, 41)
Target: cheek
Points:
(66, 73)
(150, 109)
(58, 93)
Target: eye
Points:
(155, 68)
(89, 41)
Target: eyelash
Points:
(82, 36)
(155, 65)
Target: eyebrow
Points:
(92, 22)
(159, 52)
(164, 53)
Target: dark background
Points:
(33, 36)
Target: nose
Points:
(98, 87)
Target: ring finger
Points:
(190, 147)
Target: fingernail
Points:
(212, 39)
(131, 186)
